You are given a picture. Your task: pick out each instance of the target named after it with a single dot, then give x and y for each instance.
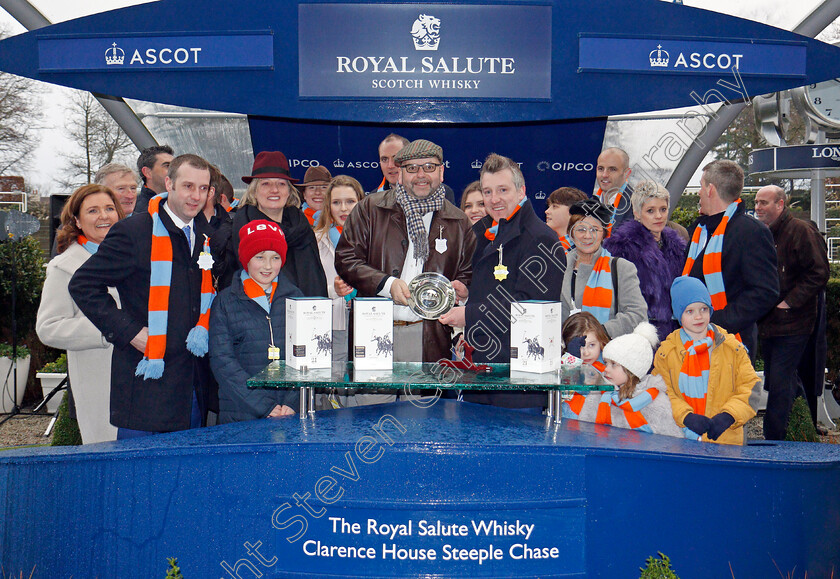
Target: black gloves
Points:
(719, 424)
(700, 424)
(574, 346)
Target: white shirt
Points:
(411, 268)
(180, 224)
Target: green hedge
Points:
(832, 307)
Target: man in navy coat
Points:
(517, 257)
(180, 398)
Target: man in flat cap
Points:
(392, 236)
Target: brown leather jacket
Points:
(803, 274)
(373, 246)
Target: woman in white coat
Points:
(85, 220)
(342, 195)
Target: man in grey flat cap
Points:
(392, 236)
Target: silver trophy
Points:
(432, 295)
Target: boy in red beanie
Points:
(248, 325)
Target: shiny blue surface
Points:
(606, 498)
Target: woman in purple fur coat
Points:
(657, 251)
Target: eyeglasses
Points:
(427, 167)
(593, 231)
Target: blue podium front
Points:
(452, 490)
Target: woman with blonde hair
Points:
(343, 193)
(271, 195)
(657, 251)
(86, 219)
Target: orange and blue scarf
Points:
(152, 365)
(335, 236)
(598, 293)
(256, 292)
(712, 269)
(693, 380)
(491, 232)
(632, 408)
(311, 214)
(89, 246)
(566, 242)
(599, 195)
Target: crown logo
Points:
(542, 166)
(476, 164)
(661, 59)
(338, 163)
(540, 195)
(114, 55)
(426, 32)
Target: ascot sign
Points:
(515, 63)
(663, 55)
(120, 52)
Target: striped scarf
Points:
(311, 214)
(256, 292)
(712, 257)
(335, 235)
(491, 232)
(693, 381)
(415, 208)
(567, 243)
(632, 408)
(598, 293)
(599, 194)
(90, 246)
(151, 366)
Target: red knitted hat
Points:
(260, 235)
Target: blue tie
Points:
(186, 230)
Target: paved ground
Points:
(24, 430)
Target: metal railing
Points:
(834, 249)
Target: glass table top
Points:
(583, 378)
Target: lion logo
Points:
(426, 32)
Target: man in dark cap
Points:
(392, 236)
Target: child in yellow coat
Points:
(707, 370)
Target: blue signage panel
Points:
(795, 159)
(424, 50)
(121, 53)
(551, 155)
(454, 542)
(496, 61)
(658, 55)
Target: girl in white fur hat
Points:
(640, 401)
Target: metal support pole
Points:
(818, 190)
(32, 19)
(304, 398)
(821, 17)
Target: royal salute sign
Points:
(429, 50)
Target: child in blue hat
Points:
(707, 370)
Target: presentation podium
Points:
(449, 490)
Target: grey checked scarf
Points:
(414, 209)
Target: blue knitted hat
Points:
(686, 291)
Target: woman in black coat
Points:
(271, 195)
(657, 251)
